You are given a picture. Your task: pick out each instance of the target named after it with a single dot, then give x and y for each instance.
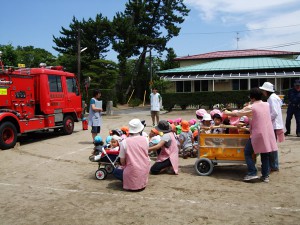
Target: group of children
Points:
(186, 132)
(214, 122)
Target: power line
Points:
(226, 32)
(281, 45)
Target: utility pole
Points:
(78, 54)
(237, 40)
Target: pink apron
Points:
(136, 170)
(261, 129)
(170, 152)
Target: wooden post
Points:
(130, 96)
(144, 98)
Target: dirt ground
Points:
(48, 179)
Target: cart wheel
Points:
(101, 174)
(204, 166)
(109, 168)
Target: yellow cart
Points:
(219, 148)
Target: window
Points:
(72, 85)
(239, 84)
(54, 83)
(257, 82)
(183, 86)
(243, 84)
(179, 86)
(200, 85)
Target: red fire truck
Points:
(33, 99)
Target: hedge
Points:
(204, 99)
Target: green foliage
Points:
(9, 55)
(204, 99)
(32, 57)
(103, 74)
(134, 102)
(28, 55)
(169, 63)
(93, 34)
(144, 26)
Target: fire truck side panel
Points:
(38, 123)
(22, 96)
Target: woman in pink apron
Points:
(168, 156)
(134, 159)
(262, 139)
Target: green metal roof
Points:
(238, 64)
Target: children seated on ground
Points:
(125, 131)
(154, 139)
(186, 140)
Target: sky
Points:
(212, 25)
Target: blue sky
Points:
(213, 25)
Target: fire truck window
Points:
(72, 87)
(54, 83)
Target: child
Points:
(200, 113)
(108, 140)
(98, 148)
(217, 123)
(186, 139)
(125, 131)
(115, 139)
(154, 139)
(243, 125)
(206, 123)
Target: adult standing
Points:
(293, 108)
(276, 116)
(95, 117)
(134, 159)
(155, 103)
(262, 139)
(168, 156)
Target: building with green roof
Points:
(234, 70)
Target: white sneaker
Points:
(97, 158)
(265, 179)
(250, 177)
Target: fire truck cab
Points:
(33, 99)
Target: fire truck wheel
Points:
(204, 166)
(68, 125)
(8, 136)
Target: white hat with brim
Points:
(206, 117)
(135, 126)
(267, 86)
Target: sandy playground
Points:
(48, 179)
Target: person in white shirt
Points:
(275, 104)
(155, 102)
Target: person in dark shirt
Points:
(293, 108)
